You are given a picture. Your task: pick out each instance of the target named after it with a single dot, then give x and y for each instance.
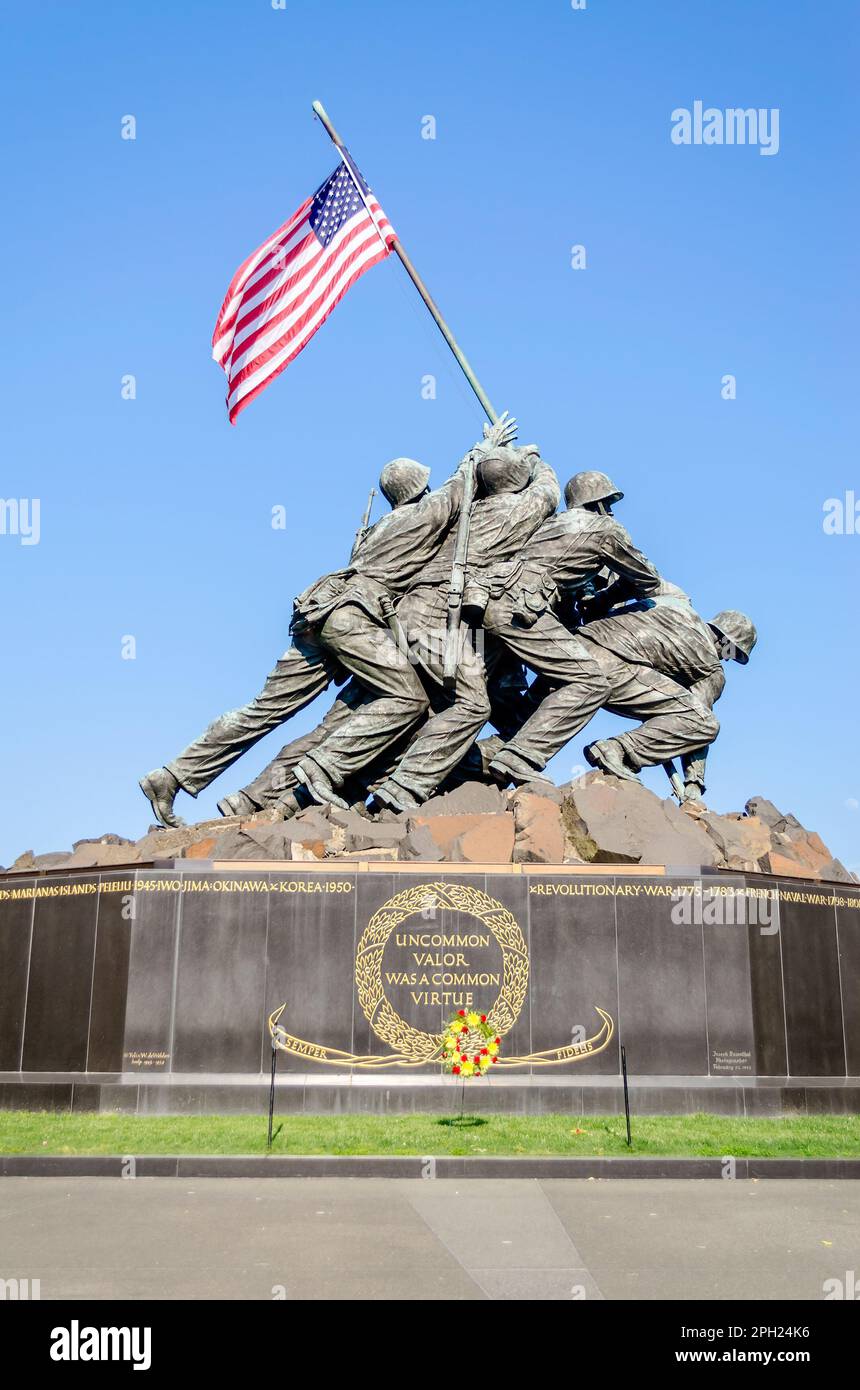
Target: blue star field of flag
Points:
(335, 202)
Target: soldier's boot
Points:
(508, 765)
(694, 792)
(486, 749)
(238, 804)
(394, 797)
(318, 784)
(290, 803)
(608, 756)
(160, 788)
(287, 805)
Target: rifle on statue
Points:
(365, 523)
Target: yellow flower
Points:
(485, 1062)
(468, 1069)
(492, 1048)
(473, 1019)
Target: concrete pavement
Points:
(435, 1239)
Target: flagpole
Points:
(320, 112)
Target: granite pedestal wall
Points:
(149, 990)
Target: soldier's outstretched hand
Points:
(504, 431)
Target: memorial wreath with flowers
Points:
(469, 1045)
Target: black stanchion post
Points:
(272, 1093)
(626, 1094)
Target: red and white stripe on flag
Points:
(287, 288)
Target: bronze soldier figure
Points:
(667, 638)
(518, 491)
(338, 627)
(564, 556)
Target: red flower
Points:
(495, 1060)
(455, 1070)
(476, 1059)
(484, 1052)
(498, 1041)
(483, 1018)
(461, 1013)
(464, 1029)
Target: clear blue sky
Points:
(553, 128)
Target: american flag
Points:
(281, 294)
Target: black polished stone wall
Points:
(171, 973)
(574, 967)
(16, 935)
(310, 963)
(60, 977)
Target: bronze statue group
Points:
(559, 615)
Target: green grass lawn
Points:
(828, 1136)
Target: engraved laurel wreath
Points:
(410, 1046)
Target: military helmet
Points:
(506, 469)
(403, 480)
(738, 630)
(591, 487)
